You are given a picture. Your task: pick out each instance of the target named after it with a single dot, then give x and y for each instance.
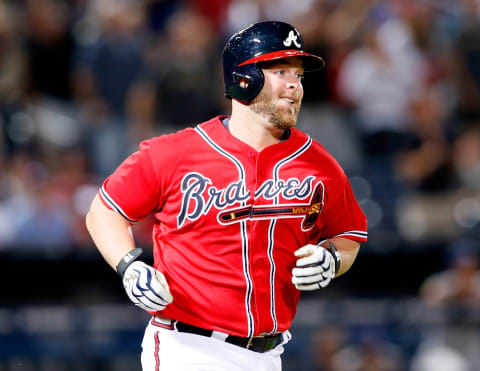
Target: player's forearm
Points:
(110, 232)
(348, 250)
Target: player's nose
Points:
(293, 81)
(295, 88)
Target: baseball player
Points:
(249, 213)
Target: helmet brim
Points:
(310, 62)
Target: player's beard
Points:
(279, 116)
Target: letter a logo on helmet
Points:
(261, 42)
(292, 38)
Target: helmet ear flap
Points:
(239, 78)
(247, 82)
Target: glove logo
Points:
(128, 257)
(292, 38)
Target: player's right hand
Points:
(146, 287)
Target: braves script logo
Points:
(200, 195)
(292, 38)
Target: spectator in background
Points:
(214, 10)
(424, 169)
(49, 46)
(438, 166)
(333, 351)
(13, 74)
(468, 62)
(12, 57)
(48, 226)
(455, 293)
(379, 80)
(41, 202)
(15, 196)
(466, 159)
(326, 342)
(332, 29)
(459, 283)
(184, 68)
(424, 165)
(107, 70)
(370, 355)
(329, 30)
(434, 356)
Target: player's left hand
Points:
(316, 267)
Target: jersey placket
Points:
(261, 251)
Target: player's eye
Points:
(280, 72)
(300, 76)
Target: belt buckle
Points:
(249, 343)
(259, 346)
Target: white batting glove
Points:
(316, 267)
(146, 287)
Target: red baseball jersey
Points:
(228, 220)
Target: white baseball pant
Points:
(166, 349)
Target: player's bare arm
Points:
(146, 287)
(348, 250)
(110, 231)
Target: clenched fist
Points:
(146, 287)
(316, 267)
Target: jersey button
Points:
(251, 155)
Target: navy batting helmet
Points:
(261, 42)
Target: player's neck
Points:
(251, 128)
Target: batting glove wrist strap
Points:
(128, 259)
(335, 254)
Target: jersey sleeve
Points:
(342, 216)
(133, 189)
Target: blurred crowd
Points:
(438, 330)
(82, 82)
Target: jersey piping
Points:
(243, 230)
(359, 234)
(109, 201)
(271, 229)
